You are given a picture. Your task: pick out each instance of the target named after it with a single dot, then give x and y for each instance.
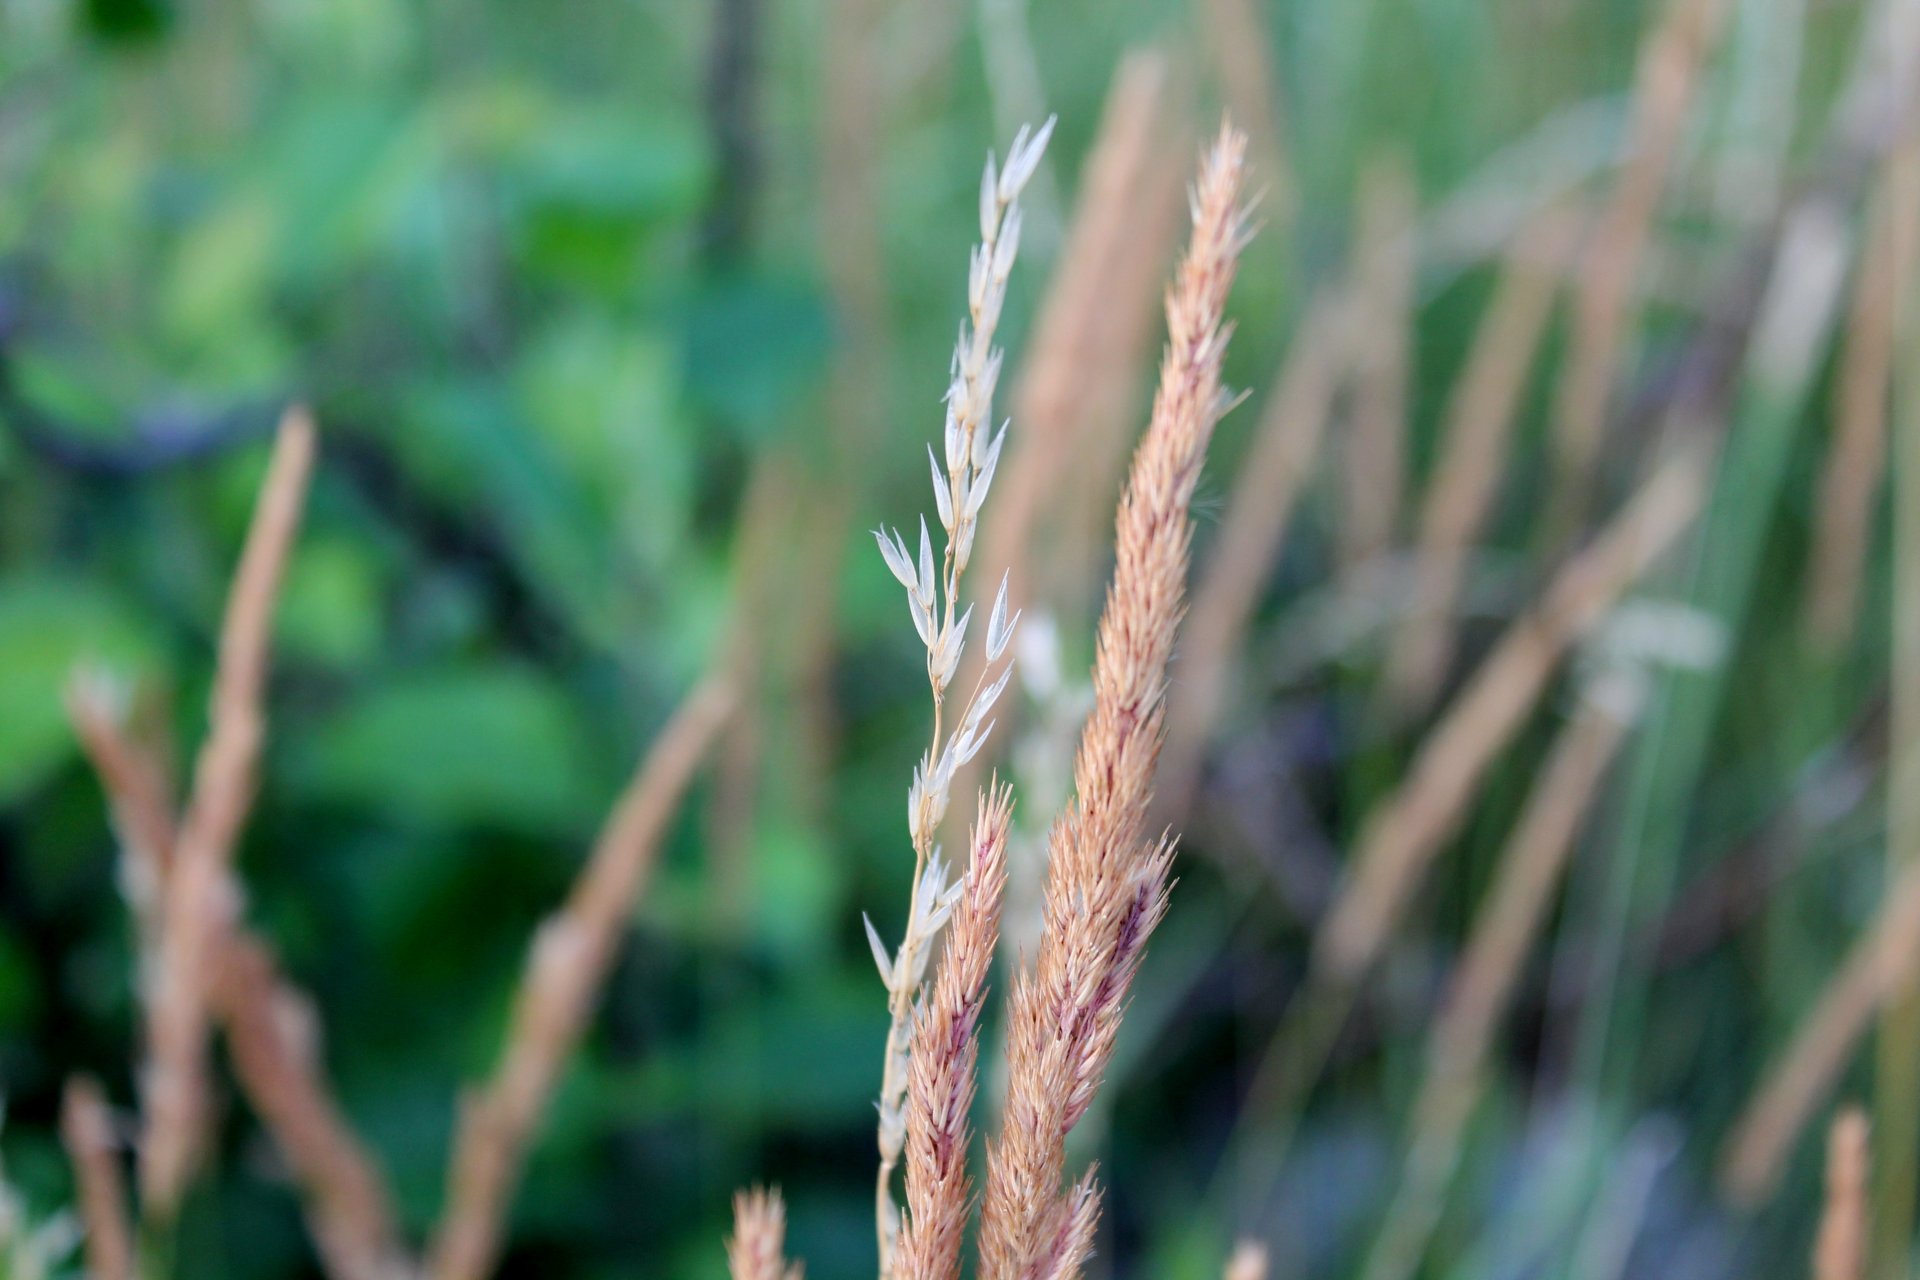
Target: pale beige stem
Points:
(1840, 1250)
(1881, 964)
(1374, 445)
(1247, 549)
(1479, 423)
(86, 1126)
(565, 969)
(1856, 457)
(198, 906)
(1481, 991)
(1665, 85)
(1402, 838)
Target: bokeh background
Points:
(623, 321)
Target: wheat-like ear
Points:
(198, 906)
(1107, 879)
(1840, 1250)
(86, 1127)
(565, 968)
(946, 1047)
(756, 1249)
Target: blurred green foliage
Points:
(480, 237)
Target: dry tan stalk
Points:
(1880, 965)
(273, 1037)
(1840, 1250)
(1096, 319)
(1106, 879)
(271, 1030)
(1081, 369)
(86, 1127)
(1404, 835)
(946, 1047)
(1665, 81)
(565, 969)
(1374, 444)
(1856, 456)
(971, 453)
(757, 1248)
(1249, 543)
(1479, 421)
(198, 907)
(1504, 931)
(1237, 42)
(1249, 1262)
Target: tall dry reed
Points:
(1479, 422)
(86, 1129)
(1666, 82)
(1374, 445)
(1250, 540)
(1840, 1250)
(198, 907)
(1107, 878)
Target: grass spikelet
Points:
(1107, 880)
(946, 1047)
(962, 475)
(756, 1250)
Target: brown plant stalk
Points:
(1856, 457)
(1482, 987)
(1401, 839)
(565, 969)
(86, 1127)
(1479, 422)
(1840, 1250)
(946, 1045)
(1666, 81)
(1251, 537)
(198, 907)
(1107, 879)
(272, 1034)
(1880, 966)
(1374, 444)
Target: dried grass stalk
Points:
(1481, 990)
(1410, 828)
(1840, 1250)
(971, 451)
(86, 1127)
(1882, 964)
(273, 1036)
(1249, 1261)
(271, 1029)
(565, 969)
(1856, 457)
(757, 1248)
(1665, 82)
(1479, 421)
(198, 907)
(1083, 364)
(1248, 546)
(1375, 442)
(946, 1046)
(1107, 879)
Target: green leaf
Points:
(47, 628)
(476, 746)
